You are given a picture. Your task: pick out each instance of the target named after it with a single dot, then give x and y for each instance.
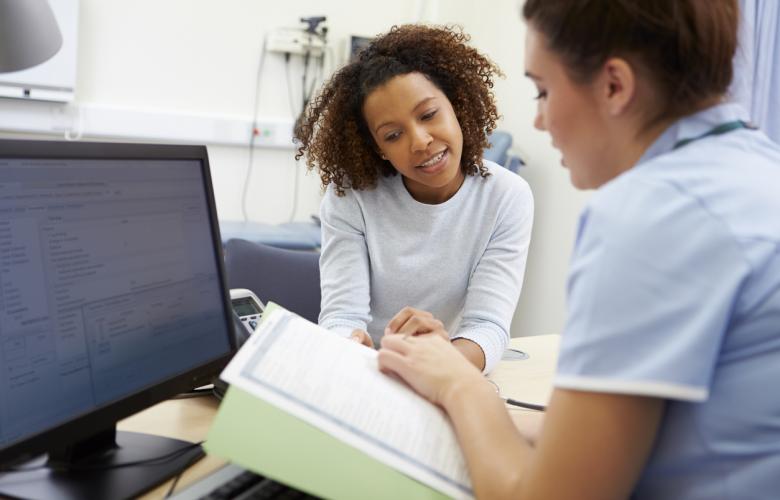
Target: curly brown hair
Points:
(333, 134)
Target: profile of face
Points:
(573, 114)
(415, 128)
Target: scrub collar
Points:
(694, 125)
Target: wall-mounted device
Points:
(55, 78)
(310, 40)
(247, 306)
(354, 44)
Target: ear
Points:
(618, 85)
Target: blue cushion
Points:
(291, 235)
(500, 142)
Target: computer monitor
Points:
(112, 299)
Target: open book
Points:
(294, 375)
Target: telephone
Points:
(247, 307)
(246, 314)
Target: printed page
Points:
(335, 385)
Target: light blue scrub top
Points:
(674, 292)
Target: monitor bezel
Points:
(106, 416)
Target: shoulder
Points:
(346, 206)
(504, 188)
(352, 197)
(501, 182)
(357, 204)
(640, 214)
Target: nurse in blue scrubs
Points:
(667, 383)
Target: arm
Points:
(495, 283)
(592, 445)
(344, 267)
(471, 351)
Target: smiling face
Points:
(570, 113)
(415, 128)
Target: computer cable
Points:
(300, 116)
(186, 466)
(83, 468)
(254, 132)
(522, 404)
(195, 393)
(290, 98)
(516, 403)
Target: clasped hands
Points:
(417, 348)
(408, 321)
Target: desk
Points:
(189, 419)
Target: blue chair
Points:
(290, 235)
(500, 142)
(291, 278)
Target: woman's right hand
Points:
(432, 366)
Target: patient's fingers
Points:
(402, 317)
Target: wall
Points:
(169, 64)
(184, 71)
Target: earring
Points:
(382, 155)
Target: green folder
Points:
(265, 439)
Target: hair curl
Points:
(333, 134)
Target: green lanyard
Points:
(723, 128)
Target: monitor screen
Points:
(112, 295)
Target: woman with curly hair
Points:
(413, 218)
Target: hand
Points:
(362, 337)
(431, 365)
(411, 321)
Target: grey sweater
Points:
(462, 260)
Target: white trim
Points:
(640, 388)
(106, 122)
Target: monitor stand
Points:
(64, 475)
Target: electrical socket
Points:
(274, 132)
(294, 41)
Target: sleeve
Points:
(344, 269)
(494, 286)
(653, 280)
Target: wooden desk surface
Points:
(528, 380)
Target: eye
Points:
(542, 94)
(392, 136)
(430, 114)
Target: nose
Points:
(539, 118)
(539, 121)
(421, 139)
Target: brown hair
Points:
(685, 47)
(333, 133)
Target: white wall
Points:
(197, 59)
(182, 61)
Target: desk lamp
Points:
(29, 34)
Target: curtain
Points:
(756, 82)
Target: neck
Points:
(638, 137)
(637, 142)
(646, 137)
(434, 195)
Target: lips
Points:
(435, 163)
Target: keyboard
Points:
(234, 482)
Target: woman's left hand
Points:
(431, 365)
(411, 321)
